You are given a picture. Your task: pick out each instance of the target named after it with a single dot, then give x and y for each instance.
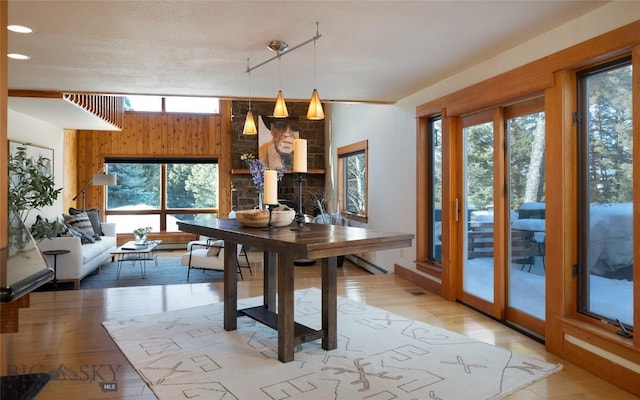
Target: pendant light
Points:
(315, 111)
(280, 110)
(249, 123)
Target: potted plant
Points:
(31, 187)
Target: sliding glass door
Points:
(503, 214)
(477, 212)
(525, 135)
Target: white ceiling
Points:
(372, 51)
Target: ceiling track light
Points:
(315, 111)
(285, 50)
(277, 45)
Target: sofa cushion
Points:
(77, 232)
(80, 221)
(93, 250)
(94, 218)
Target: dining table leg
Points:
(230, 286)
(286, 328)
(269, 281)
(329, 303)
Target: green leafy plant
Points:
(44, 228)
(31, 187)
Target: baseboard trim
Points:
(418, 279)
(366, 264)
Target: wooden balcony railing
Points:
(105, 107)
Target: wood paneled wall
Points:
(156, 134)
(69, 173)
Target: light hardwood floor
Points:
(63, 329)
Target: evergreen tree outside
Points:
(177, 180)
(479, 164)
(526, 153)
(190, 185)
(610, 136)
(138, 185)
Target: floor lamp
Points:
(97, 179)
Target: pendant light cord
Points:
(249, 72)
(315, 74)
(279, 72)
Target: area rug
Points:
(168, 271)
(187, 354)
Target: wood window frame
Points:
(163, 211)
(583, 295)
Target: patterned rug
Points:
(186, 353)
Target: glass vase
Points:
(140, 239)
(260, 200)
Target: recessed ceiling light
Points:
(18, 56)
(20, 29)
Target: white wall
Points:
(391, 135)
(391, 129)
(25, 129)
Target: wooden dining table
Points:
(280, 247)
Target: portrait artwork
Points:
(275, 141)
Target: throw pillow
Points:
(80, 221)
(77, 232)
(214, 248)
(94, 217)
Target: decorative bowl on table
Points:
(281, 216)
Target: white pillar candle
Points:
(300, 155)
(270, 186)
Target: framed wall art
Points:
(35, 152)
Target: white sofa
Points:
(209, 254)
(82, 259)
